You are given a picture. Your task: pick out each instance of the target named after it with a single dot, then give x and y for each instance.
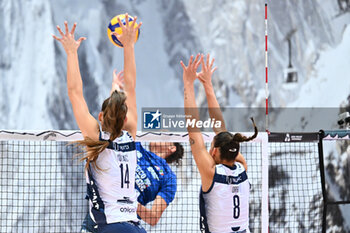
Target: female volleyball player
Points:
(154, 179)
(224, 198)
(111, 155)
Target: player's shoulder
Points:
(148, 154)
(125, 137)
(163, 165)
(236, 169)
(152, 158)
(239, 166)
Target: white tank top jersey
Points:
(225, 206)
(111, 190)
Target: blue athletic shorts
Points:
(122, 227)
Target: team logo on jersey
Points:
(161, 172)
(152, 120)
(233, 179)
(141, 179)
(127, 210)
(154, 174)
(138, 154)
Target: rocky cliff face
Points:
(32, 65)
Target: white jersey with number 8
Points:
(225, 206)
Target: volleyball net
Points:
(334, 150)
(295, 192)
(43, 188)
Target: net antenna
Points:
(266, 76)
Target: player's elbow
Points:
(154, 220)
(153, 223)
(74, 92)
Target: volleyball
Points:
(115, 27)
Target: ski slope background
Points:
(32, 66)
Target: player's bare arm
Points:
(205, 163)
(86, 122)
(127, 38)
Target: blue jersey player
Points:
(154, 179)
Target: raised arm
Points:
(86, 122)
(204, 161)
(127, 38)
(213, 106)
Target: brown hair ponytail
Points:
(114, 112)
(228, 143)
(240, 138)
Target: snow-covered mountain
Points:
(33, 66)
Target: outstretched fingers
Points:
(208, 59)
(73, 28)
(190, 61)
(208, 64)
(120, 76)
(204, 68)
(211, 66)
(193, 64)
(56, 38)
(211, 63)
(127, 20)
(197, 61)
(133, 22)
(138, 26)
(196, 58)
(66, 26)
(60, 31)
(66, 31)
(81, 39)
(121, 24)
(183, 65)
(67, 40)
